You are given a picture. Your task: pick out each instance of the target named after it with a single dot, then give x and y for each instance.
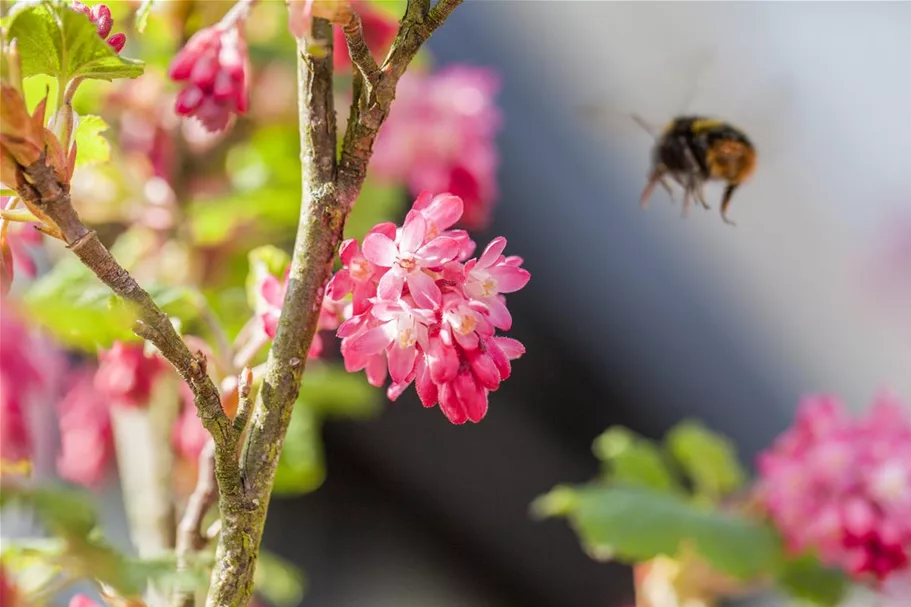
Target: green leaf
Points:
(301, 468)
(279, 581)
(634, 461)
(377, 202)
(33, 561)
(91, 146)
(56, 40)
(708, 458)
(634, 525)
(807, 579)
(142, 15)
(64, 511)
(332, 391)
(80, 311)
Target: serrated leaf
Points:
(634, 525)
(301, 468)
(279, 581)
(708, 458)
(91, 146)
(332, 391)
(142, 15)
(60, 42)
(807, 579)
(633, 460)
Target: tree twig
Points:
(190, 536)
(359, 51)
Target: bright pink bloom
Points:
(358, 275)
(100, 15)
(408, 257)
(379, 32)
(214, 66)
(126, 375)
(842, 486)
(432, 321)
(440, 136)
(16, 240)
(86, 438)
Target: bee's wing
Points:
(615, 120)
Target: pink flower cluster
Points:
(213, 65)
(440, 137)
(424, 313)
(842, 486)
(86, 436)
(100, 15)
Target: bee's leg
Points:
(667, 187)
(656, 177)
(726, 201)
(700, 196)
(687, 199)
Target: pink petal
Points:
(369, 342)
(473, 396)
(269, 322)
(439, 251)
(394, 391)
(512, 348)
(391, 284)
(271, 290)
(444, 210)
(450, 405)
(316, 347)
(492, 252)
(499, 359)
(426, 389)
(469, 341)
(351, 326)
(442, 362)
(485, 370)
(413, 232)
(376, 371)
(401, 362)
(499, 313)
(422, 201)
(348, 250)
(339, 285)
(360, 299)
(387, 229)
(380, 250)
(509, 278)
(423, 289)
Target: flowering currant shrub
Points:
(147, 280)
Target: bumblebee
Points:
(693, 150)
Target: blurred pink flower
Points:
(440, 136)
(29, 370)
(842, 486)
(86, 438)
(16, 241)
(214, 66)
(126, 374)
(81, 600)
(100, 15)
(189, 436)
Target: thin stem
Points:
(190, 536)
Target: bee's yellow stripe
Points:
(706, 124)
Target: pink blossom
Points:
(86, 438)
(379, 32)
(358, 276)
(213, 65)
(16, 241)
(440, 136)
(407, 258)
(431, 323)
(842, 486)
(126, 374)
(100, 15)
